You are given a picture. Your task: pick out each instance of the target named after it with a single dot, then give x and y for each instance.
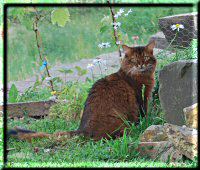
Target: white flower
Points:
(90, 66)
(116, 25)
(48, 78)
(100, 45)
(177, 26)
(107, 45)
(116, 16)
(129, 11)
(104, 45)
(121, 11)
(118, 42)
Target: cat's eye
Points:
(132, 60)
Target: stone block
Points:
(183, 36)
(31, 109)
(161, 42)
(154, 133)
(162, 151)
(183, 138)
(178, 89)
(191, 116)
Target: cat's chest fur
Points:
(110, 100)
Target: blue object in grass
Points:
(44, 64)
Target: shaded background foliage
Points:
(78, 39)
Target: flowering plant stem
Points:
(92, 75)
(100, 68)
(168, 45)
(173, 39)
(35, 28)
(115, 31)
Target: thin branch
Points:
(35, 28)
(115, 31)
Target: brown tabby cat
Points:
(113, 99)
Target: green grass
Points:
(137, 163)
(79, 38)
(79, 151)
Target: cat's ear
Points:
(151, 45)
(127, 50)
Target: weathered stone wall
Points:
(178, 89)
(184, 36)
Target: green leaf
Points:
(83, 72)
(78, 68)
(103, 29)
(87, 79)
(67, 71)
(60, 16)
(13, 94)
(56, 79)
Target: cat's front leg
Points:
(147, 95)
(140, 101)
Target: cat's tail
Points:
(28, 135)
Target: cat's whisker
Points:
(135, 70)
(131, 70)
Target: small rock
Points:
(191, 116)
(160, 39)
(184, 139)
(172, 155)
(154, 133)
(162, 151)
